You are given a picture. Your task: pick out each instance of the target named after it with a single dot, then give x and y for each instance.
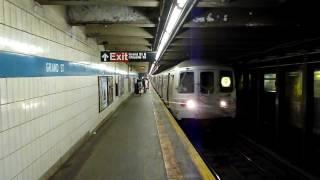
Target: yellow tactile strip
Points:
(194, 155)
(172, 169)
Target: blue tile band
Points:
(19, 65)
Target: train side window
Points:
(226, 81)
(186, 83)
(250, 81)
(270, 82)
(241, 82)
(316, 96)
(293, 96)
(206, 82)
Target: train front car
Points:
(202, 91)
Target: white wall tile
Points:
(16, 89)
(10, 90)
(13, 16)
(51, 107)
(24, 20)
(1, 11)
(29, 23)
(3, 91)
(5, 143)
(19, 17)
(6, 13)
(2, 168)
(4, 117)
(1, 149)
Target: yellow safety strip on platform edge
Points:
(195, 157)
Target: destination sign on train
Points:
(119, 56)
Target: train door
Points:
(171, 88)
(165, 88)
(161, 86)
(167, 92)
(292, 119)
(249, 104)
(268, 109)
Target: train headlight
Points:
(191, 104)
(223, 104)
(225, 82)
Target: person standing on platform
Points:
(136, 87)
(147, 83)
(140, 85)
(144, 85)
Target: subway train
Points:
(197, 89)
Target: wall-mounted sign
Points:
(132, 56)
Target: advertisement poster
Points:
(121, 85)
(129, 85)
(103, 92)
(110, 90)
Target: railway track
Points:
(232, 157)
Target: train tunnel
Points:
(159, 89)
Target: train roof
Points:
(195, 62)
(198, 62)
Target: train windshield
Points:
(206, 82)
(226, 81)
(186, 83)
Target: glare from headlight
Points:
(223, 104)
(191, 104)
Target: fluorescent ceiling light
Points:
(181, 3)
(163, 42)
(172, 21)
(151, 69)
(175, 15)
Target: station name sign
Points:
(121, 56)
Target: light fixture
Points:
(191, 104)
(223, 104)
(178, 12)
(151, 69)
(163, 42)
(225, 82)
(173, 19)
(181, 3)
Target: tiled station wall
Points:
(43, 117)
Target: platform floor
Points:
(127, 146)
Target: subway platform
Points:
(141, 140)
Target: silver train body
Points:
(197, 89)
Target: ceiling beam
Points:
(118, 40)
(174, 56)
(116, 30)
(168, 62)
(140, 17)
(205, 42)
(243, 33)
(133, 24)
(127, 47)
(236, 18)
(239, 3)
(131, 3)
(224, 25)
(141, 67)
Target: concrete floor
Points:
(126, 147)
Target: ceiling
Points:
(221, 30)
